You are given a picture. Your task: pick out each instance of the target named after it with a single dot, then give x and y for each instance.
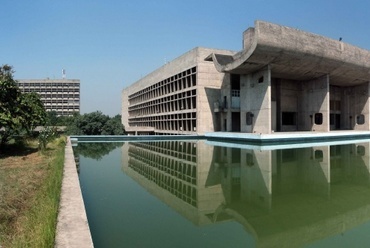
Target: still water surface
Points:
(198, 194)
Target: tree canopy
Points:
(33, 111)
(96, 123)
(9, 98)
(95, 150)
(52, 119)
(19, 113)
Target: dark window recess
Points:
(319, 155)
(260, 80)
(289, 118)
(249, 159)
(332, 119)
(249, 118)
(235, 81)
(360, 119)
(361, 150)
(318, 118)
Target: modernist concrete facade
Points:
(177, 98)
(59, 95)
(283, 79)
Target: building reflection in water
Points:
(286, 196)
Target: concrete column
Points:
(359, 107)
(255, 100)
(314, 108)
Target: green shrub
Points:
(46, 135)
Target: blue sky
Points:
(109, 44)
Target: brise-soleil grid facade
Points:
(177, 98)
(159, 105)
(59, 95)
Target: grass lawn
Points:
(30, 184)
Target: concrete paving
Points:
(72, 227)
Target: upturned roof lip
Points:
(278, 45)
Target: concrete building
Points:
(283, 79)
(59, 95)
(177, 98)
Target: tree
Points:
(88, 124)
(95, 150)
(95, 123)
(33, 111)
(74, 126)
(18, 112)
(9, 98)
(113, 126)
(52, 119)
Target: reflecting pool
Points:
(205, 194)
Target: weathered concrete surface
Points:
(72, 227)
(298, 55)
(208, 83)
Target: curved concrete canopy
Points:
(298, 55)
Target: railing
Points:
(235, 99)
(235, 93)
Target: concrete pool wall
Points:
(72, 227)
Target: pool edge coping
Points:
(72, 228)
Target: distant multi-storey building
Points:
(59, 95)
